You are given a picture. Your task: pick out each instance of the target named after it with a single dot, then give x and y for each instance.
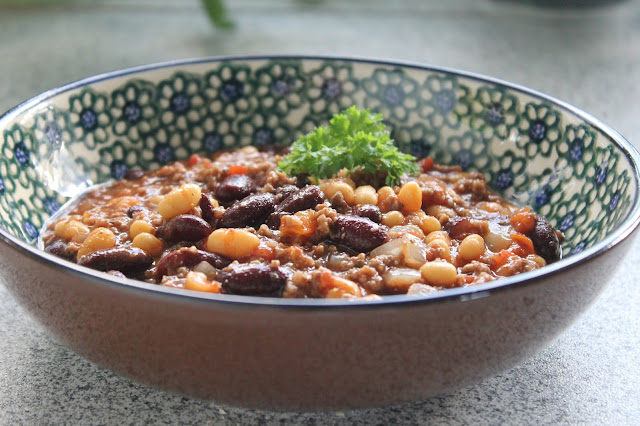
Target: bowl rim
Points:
(624, 230)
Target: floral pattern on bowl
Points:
(532, 149)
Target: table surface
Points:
(587, 57)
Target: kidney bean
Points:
(206, 209)
(302, 180)
(269, 147)
(134, 174)
(252, 279)
(128, 260)
(187, 257)
(235, 187)
(185, 227)
(273, 221)
(60, 249)
(369, 211)
(284, 191)
(359, 233)
(461, 226)
(306, 198)
(545, 240)
(135, 209)
(250, 211)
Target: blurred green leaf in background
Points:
(217, 13)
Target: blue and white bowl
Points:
(313, 354)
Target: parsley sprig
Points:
(354, 140)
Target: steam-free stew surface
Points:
(233, 224)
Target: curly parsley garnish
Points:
(354, 140)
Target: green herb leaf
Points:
(354, 140)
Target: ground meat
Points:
(458, 233)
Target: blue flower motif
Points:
(263, 128)
(504, 179)
(282, 87)
(51, 205)
(212, 142)
(420, 148)
(576, 150)
(163, 153)
(119, 157)
(417, 140)
(463, 158)
(134, 109)
(615, 199)
(494, 112)
(21, 153)
(567, 222)
(537, 131)
(88, 119)
(392, 93)
(232, 89)
(228, 91)
(580, 247)
(29, 229)
(468, 150)
(132, 112)
(601, 174)
(213, 134)
(542, 196)
(180, 103)
(51, 127)
(2, 186)
(329, 89)
(52, 132)
(540, 130)
(263, 135)
(569, 210)
(443, 100)
(118, 169)
(508, 174)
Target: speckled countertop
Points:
(587, 57)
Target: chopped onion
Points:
(392, 248)
(414, 251)
(400, 279)
(419, 288)
(497, 238)
(409, 247)
(206, 268)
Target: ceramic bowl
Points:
(311, 354)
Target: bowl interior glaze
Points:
(534, 150)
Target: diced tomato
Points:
(194, 159)
(237, 169)
(263, 251)
(426, 164)
(500, 259)
(524, 245)
(523, 220)
(301, 224)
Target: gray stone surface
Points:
(587, 57)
